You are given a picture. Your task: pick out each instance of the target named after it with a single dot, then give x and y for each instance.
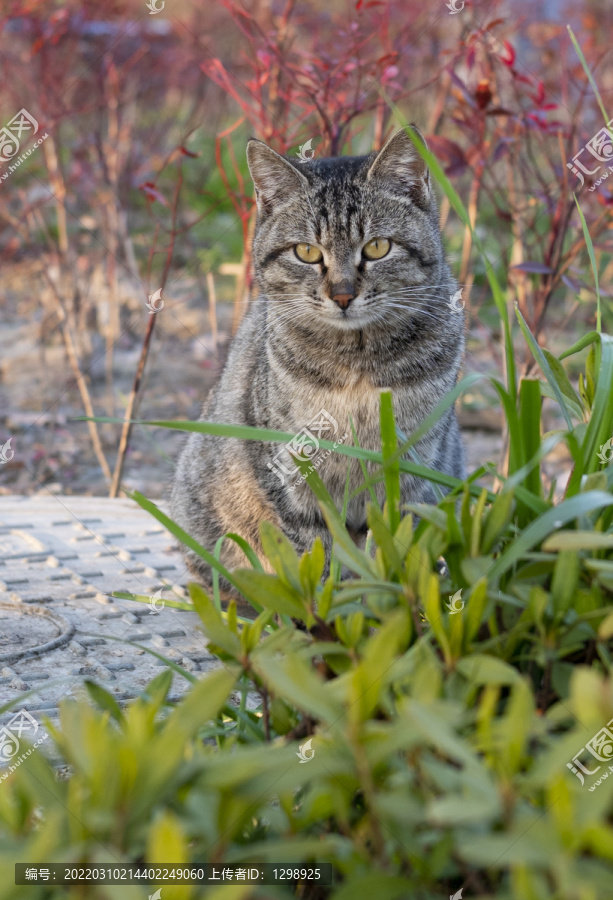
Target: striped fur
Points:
(298, 352)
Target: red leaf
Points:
(508, 58)
(483, 94)
(519, 77)
(450, 153)
(152, 192)
(540, 94)
(539, 119)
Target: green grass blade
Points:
(592, 337)
(247, 550)
(242, 432)
(530, 418)
(549, 522)
(545, 447)
(143, 598)
(389, 446)
(246, 432)
(545, 367)
(509, 406)
(600, 426)
(573, 401)
(587, 71)
(181, 535)
(431, 419)
(592, 255)
(336, 526)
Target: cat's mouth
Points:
(348, 319)
(347, 315)
(356, 317)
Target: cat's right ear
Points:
(275, 178)
(401, 167)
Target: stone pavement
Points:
(60, 559)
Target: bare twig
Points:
(210, 285)
(79, 378)
(127, 421)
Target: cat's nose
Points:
(343, 300)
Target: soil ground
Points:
(40, 404)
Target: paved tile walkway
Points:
(60, 560)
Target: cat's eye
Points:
(377, 248)
(308, 253)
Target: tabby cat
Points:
(354, 299)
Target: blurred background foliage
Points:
(142, 184)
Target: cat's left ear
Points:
(400, 164)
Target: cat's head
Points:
(348, 242)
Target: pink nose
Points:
(343, 300)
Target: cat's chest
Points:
(335, 416)
(332, 413)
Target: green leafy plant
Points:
(440, 738)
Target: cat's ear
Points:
(400, 164)
(275, 178)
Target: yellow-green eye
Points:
(377, 248)
(308, 253)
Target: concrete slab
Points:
(61, 557)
